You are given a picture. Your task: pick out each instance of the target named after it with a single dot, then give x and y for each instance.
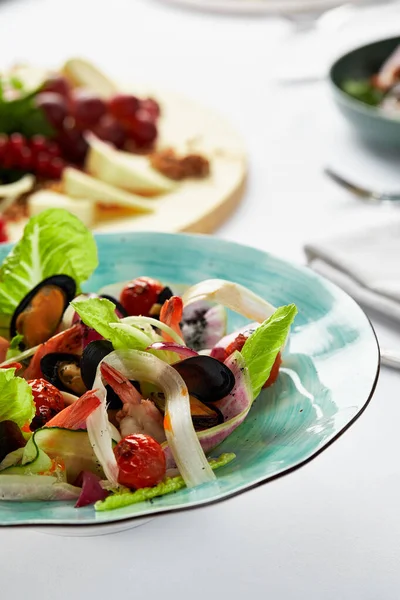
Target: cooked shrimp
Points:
(69, 341)
(171, 315)
(4, 345)
(137, 415)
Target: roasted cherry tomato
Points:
(139, 295)
(140, 460)
(238, 344)
(48, 401)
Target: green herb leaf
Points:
(54, 243)
(169, 485)
(14, 348)
(99, 314)
(363, 90)
(261, 348)
(16, 399)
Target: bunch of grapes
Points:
(124, 120)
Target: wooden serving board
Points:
(196, 205)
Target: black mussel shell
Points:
(118, 304)
(92, 355)
(65, 283)
(164, 295)
(51, 366)
(206, 378)
(11, 438)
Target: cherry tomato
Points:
(48, 401)
(273, 376)
(140, 460)
(238, 344)
(139, 295)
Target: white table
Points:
(329, 530)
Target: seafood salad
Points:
(120, 396)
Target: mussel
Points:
(39, 314)
(120, 309)
(206, 378)
(203, 415)
(91, 357)
(64, 372)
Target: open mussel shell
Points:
(92, 355)
(64, 372)
(121, 310)
(203, 415)
(39, 314)
(206, 378)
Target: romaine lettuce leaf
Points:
(99, 314)
(16, 399)
(54, 243)
(261, 348)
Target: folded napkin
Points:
(365, 264)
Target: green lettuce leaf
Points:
(54, 243)
(14, 347)
(16, 399)
(99, 314)
(261, 348)
(167, 486)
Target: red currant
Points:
(42, 162)
(53, 149)
(56, 167)
(3, 145)
(38, 144)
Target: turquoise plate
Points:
(329, 372)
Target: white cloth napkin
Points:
(365, 264)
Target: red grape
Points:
(122, 106)
(54, 107)
(109, 130)
(38, 143)
(88, 109)
(142, 127)
(73, 144)
(59, 85)
(151, 106)
(56, 167)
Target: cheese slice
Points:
(124, 170)
(82, 208)
(80, 185)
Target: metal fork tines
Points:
(363, 193)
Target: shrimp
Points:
(69, 341)
(4, 345)
(171, 315)
(137, 415)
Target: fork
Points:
(365, 194)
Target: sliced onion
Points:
(100, 434)
(171, 347)
(137, 321)
(91, 489)
(181, 436)
(231, 295)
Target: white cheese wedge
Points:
(127, 171)
(80, 185)
(82, 208)
(83, 73)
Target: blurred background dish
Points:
(367, 104)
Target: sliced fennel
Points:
(231, 295)
(138, 321)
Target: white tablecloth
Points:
(330, 530)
